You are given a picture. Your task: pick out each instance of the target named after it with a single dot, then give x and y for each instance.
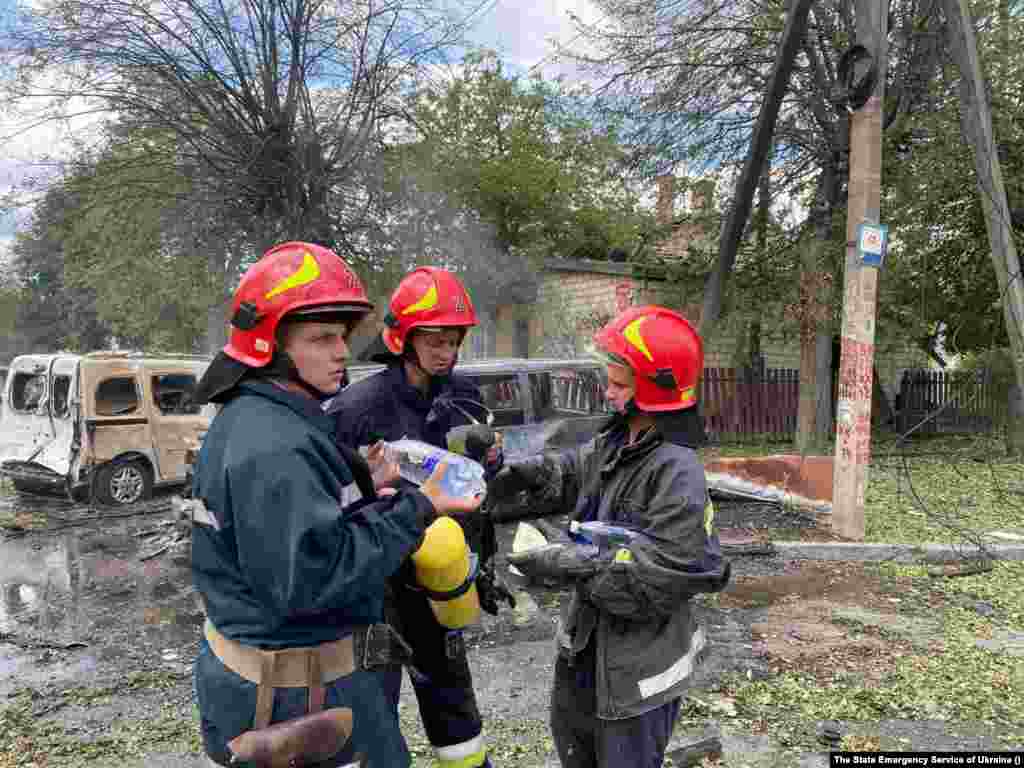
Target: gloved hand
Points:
(562, 563)
(479, 440)
(480, 443)
(483, 445)
(526, 475)
(492, 591)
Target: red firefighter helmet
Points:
(427, 297)
(663, 350)
(291, 278)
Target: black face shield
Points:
(220, 378)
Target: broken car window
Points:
(577, 393)
(172, 393)
(61, 390)
(116, 397)
(27, 391)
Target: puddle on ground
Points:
(83, 588)
(75, 591)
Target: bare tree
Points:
(270, 105)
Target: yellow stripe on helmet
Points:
(632, 334)
(429, 301)
(307, 272)
(687, 395)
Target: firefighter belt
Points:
(320, 734)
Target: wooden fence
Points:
(951, 401)
(746, 403)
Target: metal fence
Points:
(748, 404)
(951, 401)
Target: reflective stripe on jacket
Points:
(637, 609)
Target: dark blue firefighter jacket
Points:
(286, 565)
(386, 406)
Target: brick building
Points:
(575, 297)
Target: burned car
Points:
(108, 425)
(537, 403)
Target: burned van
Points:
(105, 425)
(535, 403)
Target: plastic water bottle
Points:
(417, 460)
(604, 536)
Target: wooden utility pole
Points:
(860, 284)
(976, 119)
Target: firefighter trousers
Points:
(440, 676)
(583, 740)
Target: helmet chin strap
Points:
(409, 355)
(683, 427)
(622, 417)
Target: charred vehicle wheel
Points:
(123, 482)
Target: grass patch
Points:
(1002, 588)
(736, 450)
(509, 742)
(28, 740)
(933, 498)
(960, 683)
(928, 490)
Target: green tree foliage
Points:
(497, 172)
(269, 108)
(12, 341)
(523, 158)
(10, 297)
(51, 313)
(939, 283)
(129, 241)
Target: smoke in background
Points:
(422, 224)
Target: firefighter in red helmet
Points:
(629, 641)
(418, 396)
(292, 582)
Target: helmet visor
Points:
(610, 358)
(317, 313)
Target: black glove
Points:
(492, 591)
(560, 563)
(479, 439)
(527, 475)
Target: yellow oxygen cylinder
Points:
(445, 568)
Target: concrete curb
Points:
(899, 553)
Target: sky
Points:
(7, 169)
(519, 30)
